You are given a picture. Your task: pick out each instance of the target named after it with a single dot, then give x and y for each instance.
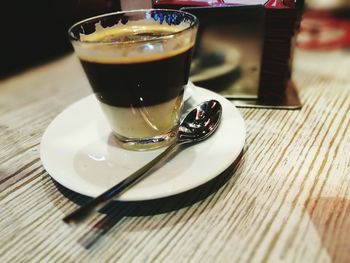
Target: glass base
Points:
(145, 144)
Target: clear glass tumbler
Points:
(138, 64)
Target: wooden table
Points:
(287, 199)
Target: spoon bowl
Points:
(198, 125)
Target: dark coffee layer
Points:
(139, 84)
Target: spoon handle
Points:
(100, 201)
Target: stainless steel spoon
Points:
(197, 126)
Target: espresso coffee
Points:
(139, 83)
(140, 89)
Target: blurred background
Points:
(35, 31)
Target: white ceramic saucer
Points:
(79, 152)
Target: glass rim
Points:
(72, 37)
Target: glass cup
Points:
(138, 64)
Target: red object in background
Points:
(184, 3)
(321, 30)
(279, 4)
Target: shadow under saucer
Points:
(116, 210)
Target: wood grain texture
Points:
(287, 199)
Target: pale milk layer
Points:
(144, 122)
